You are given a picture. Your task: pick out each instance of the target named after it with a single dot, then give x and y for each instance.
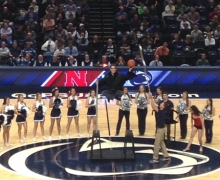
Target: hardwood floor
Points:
(113, 115)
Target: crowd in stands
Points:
(170, 33)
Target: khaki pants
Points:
(159, 142)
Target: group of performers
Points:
(163, 109)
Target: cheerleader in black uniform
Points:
(3, 121)
(55, 103)
(21, 111)
(158, 99)
(73, 112)
(91, 113)
(8, 110)
(39, 109)
(208, 113)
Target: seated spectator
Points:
(209, 41)
(55, 62)
(179, 7)
(60, 10)
(144, 27)
(31, 17)
(138, 60)
(147, 43)
(213, 14)
(157, 41)
(169, 10)
(29, 30)
(15, 54)
(104, 62)
(59, 41)
(84, 7)
(4, 39)
(10, 5)
(67, 14)
(162, 50)
(7, 31)
(187, 44)
(134, 41)
(51, 13)
(120, 61)
(70, 4)
(19, 34)
(52, 5)
(135, 23)
(27, 60)
(145, 15)
(71, 50)
(195, 32)
(60, 51)
(87, 61)
(124, 46)
(123, 26)
(79, 14)
(131, 14)
(215, 23)
(203, 61)
(95, 48)
(71, 29)
(110, 51)
(210, 5)
(121, 13)
(48, 47)
(40, 61)
(35, 6)
(181, 16)
(82, 30)
(48, 27)
(4, 54)
(176, 44)
(71, 61)
(183, 22)
(156, 62)
(141, 8)
(207, 30)
(29, 50)
(29, 38)
(83, 21)
(218, 7)
(60, 20)
(217, 32)
(193, 17)
(199, 39)
(6, 17)
(60, 31)
(69, 37)
(183, 32)
(131, 4)
(82, 43)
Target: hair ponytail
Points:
(4, 100)
(187, 98)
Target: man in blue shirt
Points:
(71, 50)
(29, 50)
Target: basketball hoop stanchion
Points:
(97, 104)
(144, 64)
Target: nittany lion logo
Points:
(141, 78)
(70, 159)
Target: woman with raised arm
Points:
(197, 126)
(124, 110)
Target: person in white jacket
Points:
(48, 47)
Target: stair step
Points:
(108, 20)
(109, 28)
(94, 12)
(95, 28)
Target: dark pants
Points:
(208, 130)
(112, 94)
(142, 113)
(183, 125)
(122, 114)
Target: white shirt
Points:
(182, 24)
(209, 42)
(59, 52)
(52, 46)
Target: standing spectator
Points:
(7, 31)
(195, 32)
(40, 61)
(4, 53)
(31, 17)
(156, 62)
(85, 7)
(193, 17)
(95, 48)
(110, 51)
(162, 50)
(71, 50)
(203, 61)
(71, 62)
(169, 10)
(6, 17)
(87, 61)
(209, 41)
(48, 26)
(48, 47)
(15, 54)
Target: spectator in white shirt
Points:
(48, 47)
(169, 9)
(184, 21)
(4, 51)
(7, 31)
(60, 51)
(35, 6)
(209, 41)
(156, 62)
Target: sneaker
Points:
(50, 138)
(165, 159)
(24, 139)
(79, 135)
(59, 137)
(44, 138)
(67, 136)
(6, 144)
(21, 141)
(35, 140)
(154, 161)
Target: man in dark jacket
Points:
(114, 82)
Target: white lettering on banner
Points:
(85, 95)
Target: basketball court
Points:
(69, 159)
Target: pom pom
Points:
(78, 105)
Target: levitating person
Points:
(114, 82)
(124, 110)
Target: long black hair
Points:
(54, 91)
(160, 88)
(4, 100)
(211, 105)
(195, 110)
(126, 93)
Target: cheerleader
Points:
(142, 99)
(182, 109)
(55, 103)
(3, 121)
(8, 110)
(158, 99)
(39, 109)
(197, 118)
(208, 112)
(73, 112)
(21, 111)
(124, 110)
(91, 113)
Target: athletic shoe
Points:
(59, 137)
(21, 141)
(154, 161)
(44, 138)
(165, 159)
(35, 140)
(67, 136)
(24, 139)
(50, 138)
(79, 135)
(6, 144)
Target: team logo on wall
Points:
(69, 159)
(141, 78)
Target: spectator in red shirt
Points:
(214, 13)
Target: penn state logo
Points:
(141, 78)
(69, 159)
